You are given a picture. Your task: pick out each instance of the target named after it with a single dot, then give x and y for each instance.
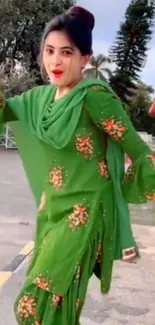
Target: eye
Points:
(67, 52)
(49, 51)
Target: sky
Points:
(108, 15)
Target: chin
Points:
(57, 82)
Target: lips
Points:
(57, 73)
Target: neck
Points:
(64, 90)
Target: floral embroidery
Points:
(99, 253)
(43, 283)
(152, 157)
(151, 197)
(78, 217)
(78, 304)
(114, 128)
(42, 203)
(98, 88)
(56, 178)
(78, 274)
(129, 253)
(129, 174)
(103, 169)
(26, 307)
(85, 146)
(57, 301)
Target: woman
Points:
(72, 135)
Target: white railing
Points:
(7, 139)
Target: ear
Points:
(85, 60)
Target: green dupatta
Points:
(64, 115)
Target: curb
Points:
(7, 272)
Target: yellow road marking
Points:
(4, 277)
(27, 249)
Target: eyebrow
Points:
(62, 48)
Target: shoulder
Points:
(99, 93)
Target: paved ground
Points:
(132, 298)
(17, 210)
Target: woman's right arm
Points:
(15, 108)
(22, 107)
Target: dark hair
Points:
(78, 24)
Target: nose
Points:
(55, 60)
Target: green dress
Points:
(74, 193)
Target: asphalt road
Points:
(17, 209)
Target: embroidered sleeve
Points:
(108, 114)
(23, 107)
(17, 107)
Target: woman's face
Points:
(62, 61)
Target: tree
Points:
(141, 99)
(97, 68)
(139, 107)
(17, 82)
(129, 52)
(21, 25)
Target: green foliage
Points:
(21, 26)
(139, 107)
(129, 51)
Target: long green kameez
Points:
(80, 227)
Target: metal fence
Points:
(7, 139)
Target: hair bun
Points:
(83, 14)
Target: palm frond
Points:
(107, 71)
(101, 76)
(92, 61)
(90, 72)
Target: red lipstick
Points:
(57, 72)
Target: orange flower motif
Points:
(151, 197)
(110, 125)
(152, 157)
(85, 146)
(43, 283)
(78, 217)
(56, 178)
(56, 301)
(26, 307)
(103, 169)
(114, 128)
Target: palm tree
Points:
(98, 67)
